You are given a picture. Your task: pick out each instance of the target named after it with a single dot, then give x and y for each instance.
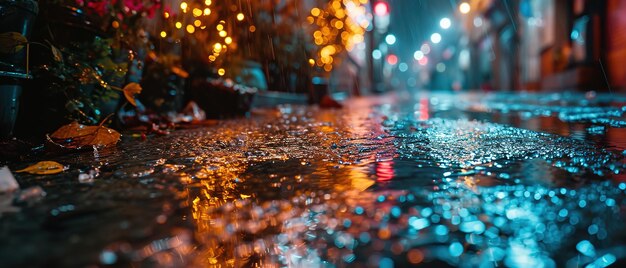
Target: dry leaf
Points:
(75, 136)
(12, 42)
(130, 91)
(44, 168)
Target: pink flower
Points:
(99, 8)
(134, 5)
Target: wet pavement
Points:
(433, 179)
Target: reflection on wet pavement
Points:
(437, 179)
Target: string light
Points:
(190, 29)
(240, 16)
(341, 25)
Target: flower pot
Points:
(16, 16)
(10, 90)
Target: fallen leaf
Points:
(75, 136)
(43, 168)
(130, 91)
(12, 42)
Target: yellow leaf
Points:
(12, 42)
(130, 91)
(44, 168)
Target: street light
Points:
(464, 8)
(445, 23)
(435, 38)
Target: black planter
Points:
(221, 100)
(15, 16)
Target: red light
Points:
(392, 59)
(423, 61)
(381, 9)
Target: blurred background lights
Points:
(423, 61)
(425, 49)
(418, 55)
(441, 67)
(403, 67)
(390, 39)
(478, 21)
(435, 38)
(377, 54)
(381, 9)
(392, 59)
(445, 23)
(464, 8)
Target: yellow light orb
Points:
(339, 24)
(115, 24)
(207, 11)
(197, 23)
(240, 16)
(228, 40)
(197, 12)
(190, 29)
(312, 62)
(223, 33)
(219, 27)
(212, 58)
(166, 15)
(207, 2)
(221, 72)
(217, 47)
(183, 5)
(315, 12)
(163, 34)
(179, 25)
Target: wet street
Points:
(433, 179)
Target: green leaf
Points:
(12, 42)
